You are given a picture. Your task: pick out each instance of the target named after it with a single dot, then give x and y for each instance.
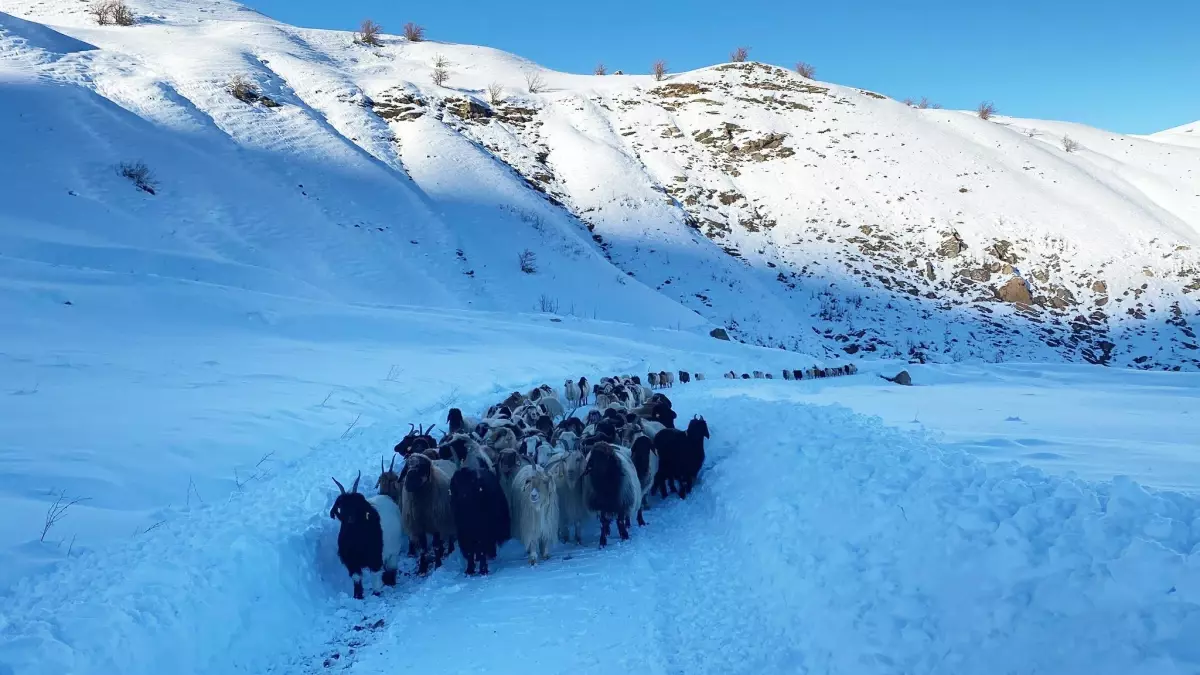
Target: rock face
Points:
(720, 334)
(951, 246)
(1015, 291)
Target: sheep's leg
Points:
(531, 552)
(623, 526)
(483, 566)
(439, 551)
(450, 550)
(674, 488)
(641, 520)
(604, 522)
(423, 556)
(358, 587)
(412, 548)
(471, 563)
(389, 577)
(578, 532)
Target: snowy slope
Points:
(746, 196)
(1186, 134)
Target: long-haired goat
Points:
(370, 534)
(457, 424)
(571, 393)
(535, 511)
(567, 470)
(417, 440)
(425, 505)
(681, 456)
(480, 515)
(611, 489)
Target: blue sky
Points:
(1132, 67)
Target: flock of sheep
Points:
(527, 470)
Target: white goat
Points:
(535, 511)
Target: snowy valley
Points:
(212, 303)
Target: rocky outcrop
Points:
(1016, 290)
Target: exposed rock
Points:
(902, 378)
(1016, 290)
(951, 246)
(1100, 287)
(719, 333)
(1041, 275)
(470, 109)
(929, 272)
(1002, 249)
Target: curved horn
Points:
(392, 466)
(340, 486)
(411, 429)
(354, 488)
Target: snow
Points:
(308, 280)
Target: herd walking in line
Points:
(528, 470)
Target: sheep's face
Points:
(537, 485)
(455, 419)
(418, 472)
(545, 424)
(389, 484)
(351, 508)
(508, 461)
(697, 428)
(458, 449)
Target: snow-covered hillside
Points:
(793, 213)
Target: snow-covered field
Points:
(184, 371)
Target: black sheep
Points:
(660, 398)
(480, 514)
(693, 459)
(745, 376)
(573, 424)
(684, 377)
(609, 490)
(645, 461)
(545, 425)
(662, 413)
(455, 422)
(798, 374)
(583, 390)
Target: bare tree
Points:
(806, 70)
(368, 33)
(243, 89)
(986, 110)
(1070, 144)
(534, 82)
(495, 93)
(600, 69)
(526, 259)
(659, 69)
(112, 12)
(121, 14)
(909, 102)
(740, 55)
(926, 103)
(413, 32)
(440, 74)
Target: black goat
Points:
(798, 374)
(611, 489)
(481, 515)
(416, 440)
(583, 390)
(370, 534)
(684, 377)
(680, 456)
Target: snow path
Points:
(825, 542)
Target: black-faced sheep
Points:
(787, 374)
(851, 369)
(758, 375)
(652, 378)
(611, 489)
(425, 505)
(465, 451)
(481, 515)
(567, 470)
(535, 511)
(370, 535)
(457, 424)
(699, 376)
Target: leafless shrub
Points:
(243, 89)
(909, 102)
(740, 55)
(534, 83)
(986, 110)
(495, 93)
(139, 174)
(527, 259)
(58, 511)
(440, 74)
(659, 69)
(547, 304)
(413, 32)
(101, 11)
(806, 70)
(368, 33)
(1070, 144)
(601, 69)
(121, 14)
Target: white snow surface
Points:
(308, 279)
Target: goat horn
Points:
(392, 466)
(381, 469)
(411, 429)
(340, 486)
(354, 488)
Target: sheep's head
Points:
(545, 425)
(606, 429)
(350, 507)
(641, 449)
(636, 380)
(663, 414)
(602, 465)
(508, 460)
(697, 428)
(593, 417)
(454, 419)
(418, 471)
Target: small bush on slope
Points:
(740, 55)
(986, 110)
(139, 174)
(413, 32)
(368, 33)
(806, 70)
